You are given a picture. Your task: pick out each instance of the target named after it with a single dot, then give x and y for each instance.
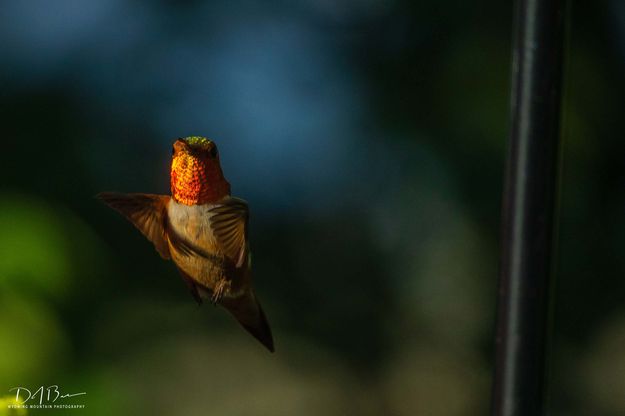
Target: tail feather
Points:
(247, 310)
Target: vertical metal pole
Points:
(529, 209)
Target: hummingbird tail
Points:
(249, 313)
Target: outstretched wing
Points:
(229, 223)
(147, 212)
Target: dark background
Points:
(368, 138)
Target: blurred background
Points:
(368, 137)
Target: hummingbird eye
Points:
(213, 152)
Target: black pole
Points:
(529, 209)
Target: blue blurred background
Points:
(369, 139)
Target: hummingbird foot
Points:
(219, 289)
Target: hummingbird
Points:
(203, 230)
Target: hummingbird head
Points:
(196, 176)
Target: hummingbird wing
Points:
(229, 223)
(182, 246)
(147, 212)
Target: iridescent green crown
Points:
(198, 142)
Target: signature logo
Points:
(43, 397)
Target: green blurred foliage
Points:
(35, 251)
(6, 409)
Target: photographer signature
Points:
(49, 394)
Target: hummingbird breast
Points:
(191, 223)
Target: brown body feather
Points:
(209, 245)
